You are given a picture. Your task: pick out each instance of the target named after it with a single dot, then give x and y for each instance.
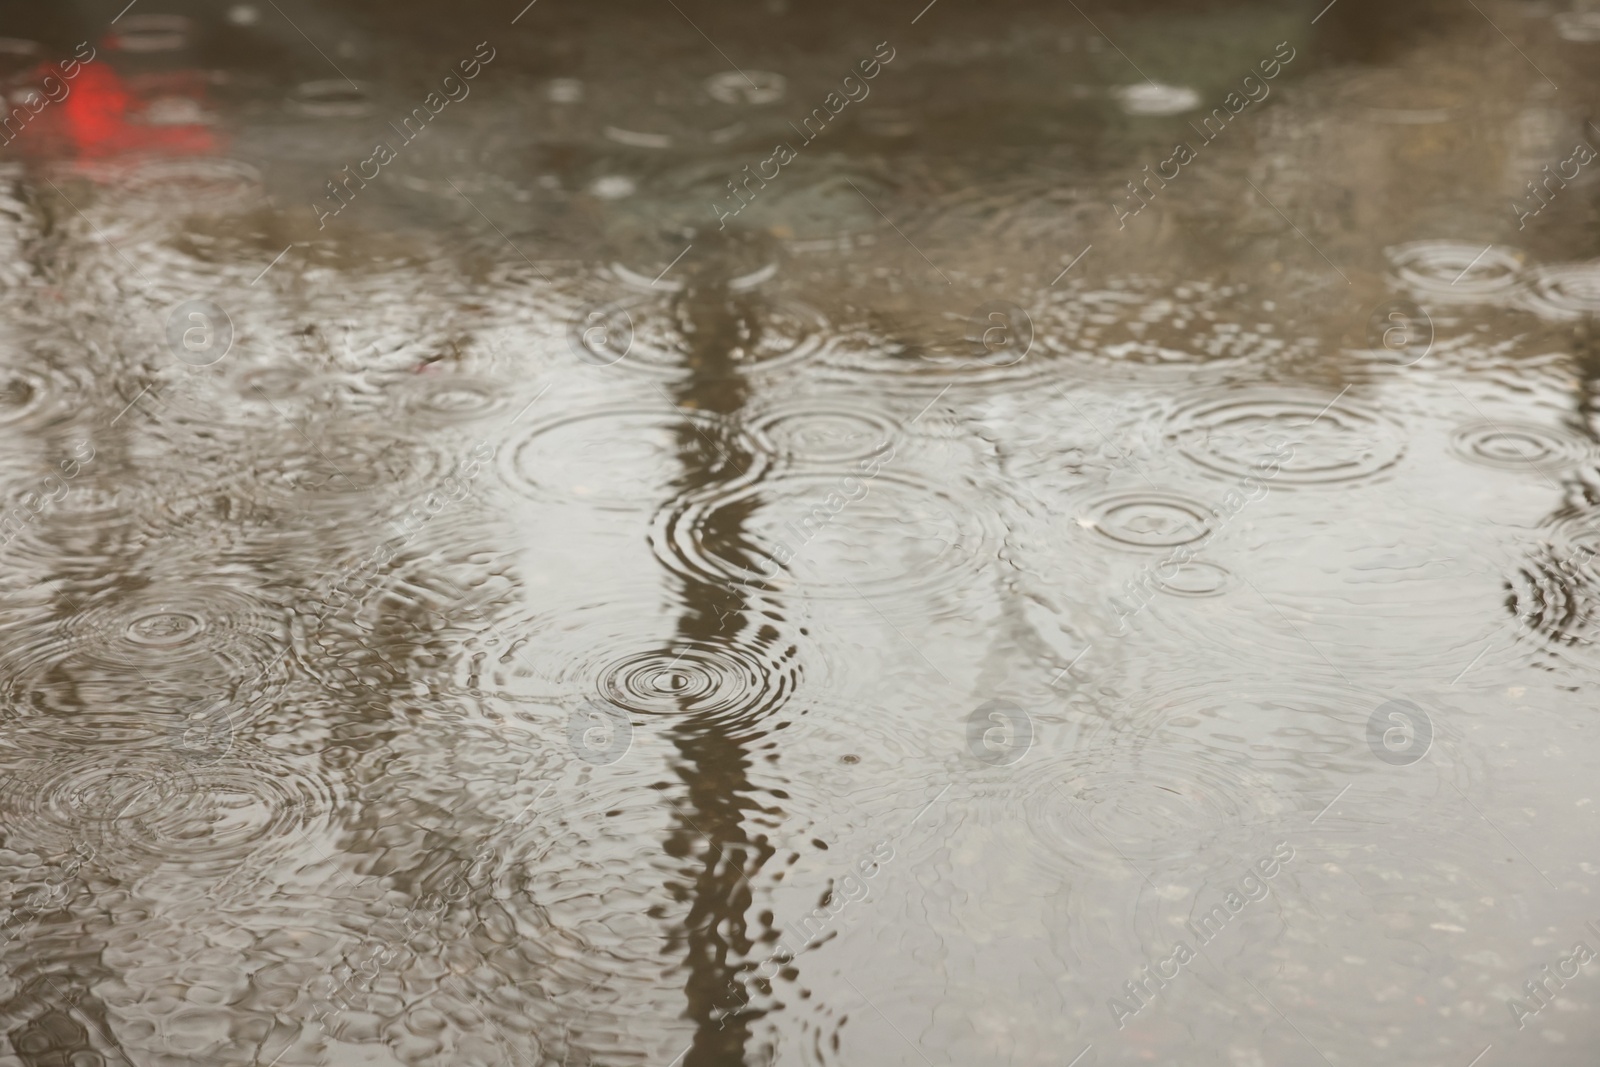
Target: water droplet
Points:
(1512, 445)
(1150, 520)
(1154, 99)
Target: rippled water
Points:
(994, 590)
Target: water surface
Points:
(709, 534)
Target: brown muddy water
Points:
(696, 534)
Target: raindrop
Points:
(565, 90)
(1511, 445)
(331, 98)
(722, 681)
(1155, 99)
(836, 535)
(1195, 578)
(1456, 272)
(1149, 520)
(1286, 440)
(443, 399)
(1565, 292)
(746, 87)
(165, 629)
(823, 431)
(613, 186)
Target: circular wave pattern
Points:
(123, 669)
(1576, 539)
(186, 623)
(145, 809)
(175, 624)
(1564, 293)
(1521, 446)
(624, 458)
(1456, 272)
(823, 432)
(331, 98)
(342, 466)
(746, 87)
(723, 682)
(1311, 441)
(92, 517)
(1149, 520)
(194, 184)
(764, 335)
(1558, 610)
(446, 399)
(746, 268)
(1153, 806)
(1555, 595)
(35, 395)
(164, 629)
(738, 661)
(1196, 578)
(21, 394)
(835, 536)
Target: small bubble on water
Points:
(613, 186)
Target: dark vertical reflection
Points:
(1586, 360)
(1552, 592)
(718, 325)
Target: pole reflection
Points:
(718, 325)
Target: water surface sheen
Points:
(977, 585)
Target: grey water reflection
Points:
(708, 534)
